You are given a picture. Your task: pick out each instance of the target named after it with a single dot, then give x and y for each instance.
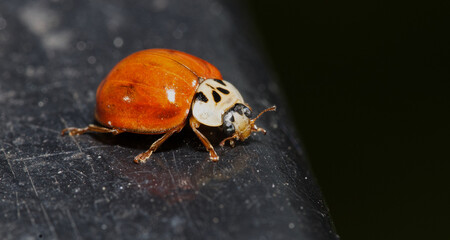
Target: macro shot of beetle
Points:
(155, 91)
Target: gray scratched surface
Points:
(53, 54)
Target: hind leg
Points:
(91, 128)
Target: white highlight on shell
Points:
(127, 99)
(171, 95)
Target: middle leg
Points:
(142, 158)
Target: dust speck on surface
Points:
(118, 42)
(160, 5)
(5, 96)
(291, 225)
(57, 40)
(91, 60)
(178, 224)
(19, 141)
(39, 19)
(177, 34)
(104, 227)
(81, 45)
(45, 23)
(2, 23)
(215, 8)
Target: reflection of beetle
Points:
(176, 181)
(152, 91)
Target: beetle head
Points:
(238, 125)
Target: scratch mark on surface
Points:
(53, 154)
(17, 205)
(176, 168)
(57, 183)
(50, 225)
(72, 137)
(206, 197)
(43, 128)
(74, 226)
(215, 170)
(296, 194)
(106, 198)
(79, 172)
(74, 173)
(183, 205)
(168, 169)
(42, 156)
(9, 162)
(78, 145)
(254, 172)
(29, 214)
(293, 140)
(31, 180)
(246, 150)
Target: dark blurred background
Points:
(368, 85)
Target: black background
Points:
(368, 84)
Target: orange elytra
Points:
(155, 91)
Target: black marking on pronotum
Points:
(224, 91)
(232, 118)
(200, 96)
(216, 96)
(220, 81)
(210, 86)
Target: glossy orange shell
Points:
(151, 91)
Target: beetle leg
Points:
(258, 129)
(212, 153)
(142, 158)
(93, 128)
(231, 139)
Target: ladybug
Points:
(155, 91)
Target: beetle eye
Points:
(227, 117)
(247, 112)
(242, 109)
(228, 128)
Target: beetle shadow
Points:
(185, 138)
(138, 141)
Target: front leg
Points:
(231, 139)
(212, 153)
